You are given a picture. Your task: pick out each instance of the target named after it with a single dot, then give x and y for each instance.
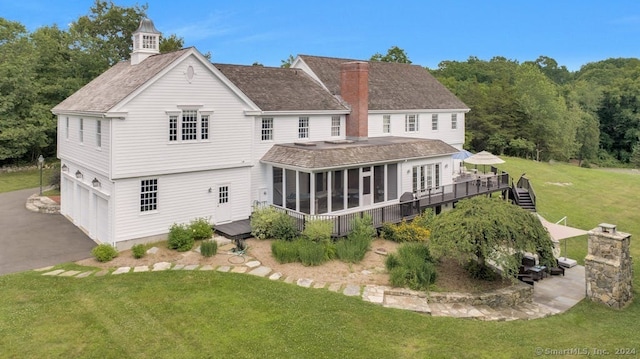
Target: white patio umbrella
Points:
(484, 158)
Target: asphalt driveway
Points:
(30, 240)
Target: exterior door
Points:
(366, 186)
(223, 204)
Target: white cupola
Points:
(146, 41)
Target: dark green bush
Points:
(209, 248)
(180, 238)
(200, 229)
(412, 266)
(104, 252)
(311, 253)
(481, 272)
(284, 227)
(285, 251)
(353, 248)
(54, 179)
(138, 251)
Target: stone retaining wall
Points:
(513, 295)
(42, 204)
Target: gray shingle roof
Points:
(323, 155)
(280, 89)
(118, 82)
(392, 86)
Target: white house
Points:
(166, 138)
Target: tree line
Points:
(535, 109)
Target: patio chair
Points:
(557, 270)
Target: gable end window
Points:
(411, 123)
(189, 125)
(434, 122)
(267, 129)
(204, 127)
(454, 121)
(303, 127)
(149, 195)
(81, 132)
(335, 126)
(99, 133)
(386, 124)
(66, 126)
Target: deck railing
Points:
(524, 183)
(396, 212)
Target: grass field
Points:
(185, 314)
(14, 181)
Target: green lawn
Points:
(182, 314)
(14, 181)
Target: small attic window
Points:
(190, 73)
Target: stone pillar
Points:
(608, 267)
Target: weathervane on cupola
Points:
(146, 41)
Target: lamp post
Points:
(40, 164)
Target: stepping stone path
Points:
(381, 295)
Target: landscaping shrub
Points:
(209, 248)
(200, 229)
(284, 227)
(270, 223)
(262, 220)
(318, 230)
(352, 249)
(416, 230)
(54, 179)
(104, 252)
(412, 266)
(362, 226)
(180, 238)
(138, 251)
(311, 253)
(285, 251)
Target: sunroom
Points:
(332, 177)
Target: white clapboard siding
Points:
(445, 132)
(87, 153)
(141, 141)
(181, 198)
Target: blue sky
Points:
(243, 32)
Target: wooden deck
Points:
(235, 230)
(397, 212)
(393, 213)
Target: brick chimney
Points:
(354, 88)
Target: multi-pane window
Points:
(416, 170)
(411, 123)
(335, 125)
(303, 127)
(204, 127)
(81, 132)
(267, 129)
(66, 128)
(99, 133)
(189, 125)
(148, 42)
(454, 121)
(173, 128)
(386, 123)
(434, 122)
(223, 194)
(148, 195)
